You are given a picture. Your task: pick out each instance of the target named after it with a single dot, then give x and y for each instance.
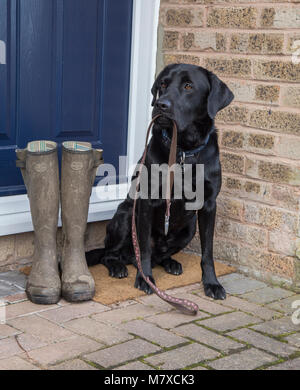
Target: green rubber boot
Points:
(39, 167)
(78, 172)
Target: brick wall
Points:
(250, 46)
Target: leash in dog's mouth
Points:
(183, 305)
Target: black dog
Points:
(191, 96)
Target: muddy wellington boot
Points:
(78, 172)
(39, 167)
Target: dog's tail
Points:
(95, 256)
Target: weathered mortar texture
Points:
(250, 47)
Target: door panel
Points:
(66, 77)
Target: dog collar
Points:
(188, 153)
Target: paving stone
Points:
(30, 342)
(75, 310)
(152, 333)
(174, 318)
(155, 302)
(122, 352)
(15, 278)
(7, 289)
(134, 366)
(207, 337)
(41, 328)
(249, 307)
(248, 359)
(128, 313)
(119, 305)
(229, 321)
(240, 285)
(16, 363)
(7, 331)
(25, 308)
(19, 297)
(293, 339)
(64, 350)
(9, 347)
(104, 333)
(199, 368)
(288, 365)
(182, 357)
(285, 305)
(208, 305)
(267, 294)
(74, 365)
(277, 327)
(263, 342)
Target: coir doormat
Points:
(111, 290)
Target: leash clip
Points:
(167, 220)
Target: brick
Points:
(226, 250)
(171, 39)
(263, 342)
(182, 17)
(233, 115)
(288, 365)
(260, 141)
(152, 333)
(251, 308)
(258, 43)
(207, 337)
(7, 331)
(291, 96)
(173, 319)
(24, 245)
(285, 305)
(203, 40)
(229, 321)
(283, 17)
(7, 245)
(267, 17)
(288, 147)
(181, 58)
(182, 357)
(267, 93)
(282, 243)
(55, 353)
(121, 353)
(103, 333)
(232, 163)
(277, 327)
(280, 121)
(251, 358)
(233, 17)
(129, 313)
(134, 366)
(232, 139)
(41, 328)
(77, 310)
(267, 294)
(73, 365)
(235, 67)
(26, 308)
(16, 363)
(276, 70)
(293, 43)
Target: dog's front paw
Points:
(117, 269)
(142, 285)
(172, 266)
(214, 290)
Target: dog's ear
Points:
(220, 95)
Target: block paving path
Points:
(254, 328)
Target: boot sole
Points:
(43, 299)
(78, 296)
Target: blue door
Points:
(66, 77)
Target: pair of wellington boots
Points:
(40, 171)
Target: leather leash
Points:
(183, 305)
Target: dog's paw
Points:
(117, 270)
(142, 285)
(172, 266)
(214, 290)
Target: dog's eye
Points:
(163, 85)
(188, 86)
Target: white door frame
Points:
(15, 214)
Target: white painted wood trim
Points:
(15, 214)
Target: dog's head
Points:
(189, 95)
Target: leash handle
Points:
(183, 305)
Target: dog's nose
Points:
(163, 104)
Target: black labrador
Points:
(191, 96)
